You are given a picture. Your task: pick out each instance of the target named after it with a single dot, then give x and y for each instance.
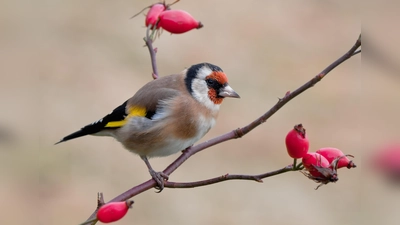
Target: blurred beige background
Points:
(64, 64)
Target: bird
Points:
(167, 115)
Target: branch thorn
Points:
(258, 180)
(100, 200)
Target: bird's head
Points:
(208, 84)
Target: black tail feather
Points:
(117, 114)
(77, 134)
(89, 129)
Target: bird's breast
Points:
(176, 126)
(174, 143)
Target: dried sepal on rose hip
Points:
(333, 153)
(178, 21)
(313, 160)
(296, 141)
(113, 211)
(318, 169)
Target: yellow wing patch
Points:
(133, 111)
(115, 124)
(137, 111)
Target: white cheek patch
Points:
(200, 90)
(200, 93)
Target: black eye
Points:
(210, 82)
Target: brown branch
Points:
(240, 132)
(149, 43)
(226, 177)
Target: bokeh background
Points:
(64, 64)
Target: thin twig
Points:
(226, 177)
(356, 52)
(149, 43)
(240, 132)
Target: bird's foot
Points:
(159, 177)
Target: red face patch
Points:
(218, 76)
(212, 94)
(221, 78)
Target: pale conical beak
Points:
(228, 92)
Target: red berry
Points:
(319, 169)
(312, 160)
(297, 142)
(113, 211)
(178, 21)
(154, 13)
(333, 153)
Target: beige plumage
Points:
(166, 115)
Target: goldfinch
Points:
(167, 115)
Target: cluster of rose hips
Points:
(320, 166)
(174, 21)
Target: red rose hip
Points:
(154, 13)
(297, 142)
(312, 160)
(113, 211)
(318, 169)
(178, 21)
(333, 153)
